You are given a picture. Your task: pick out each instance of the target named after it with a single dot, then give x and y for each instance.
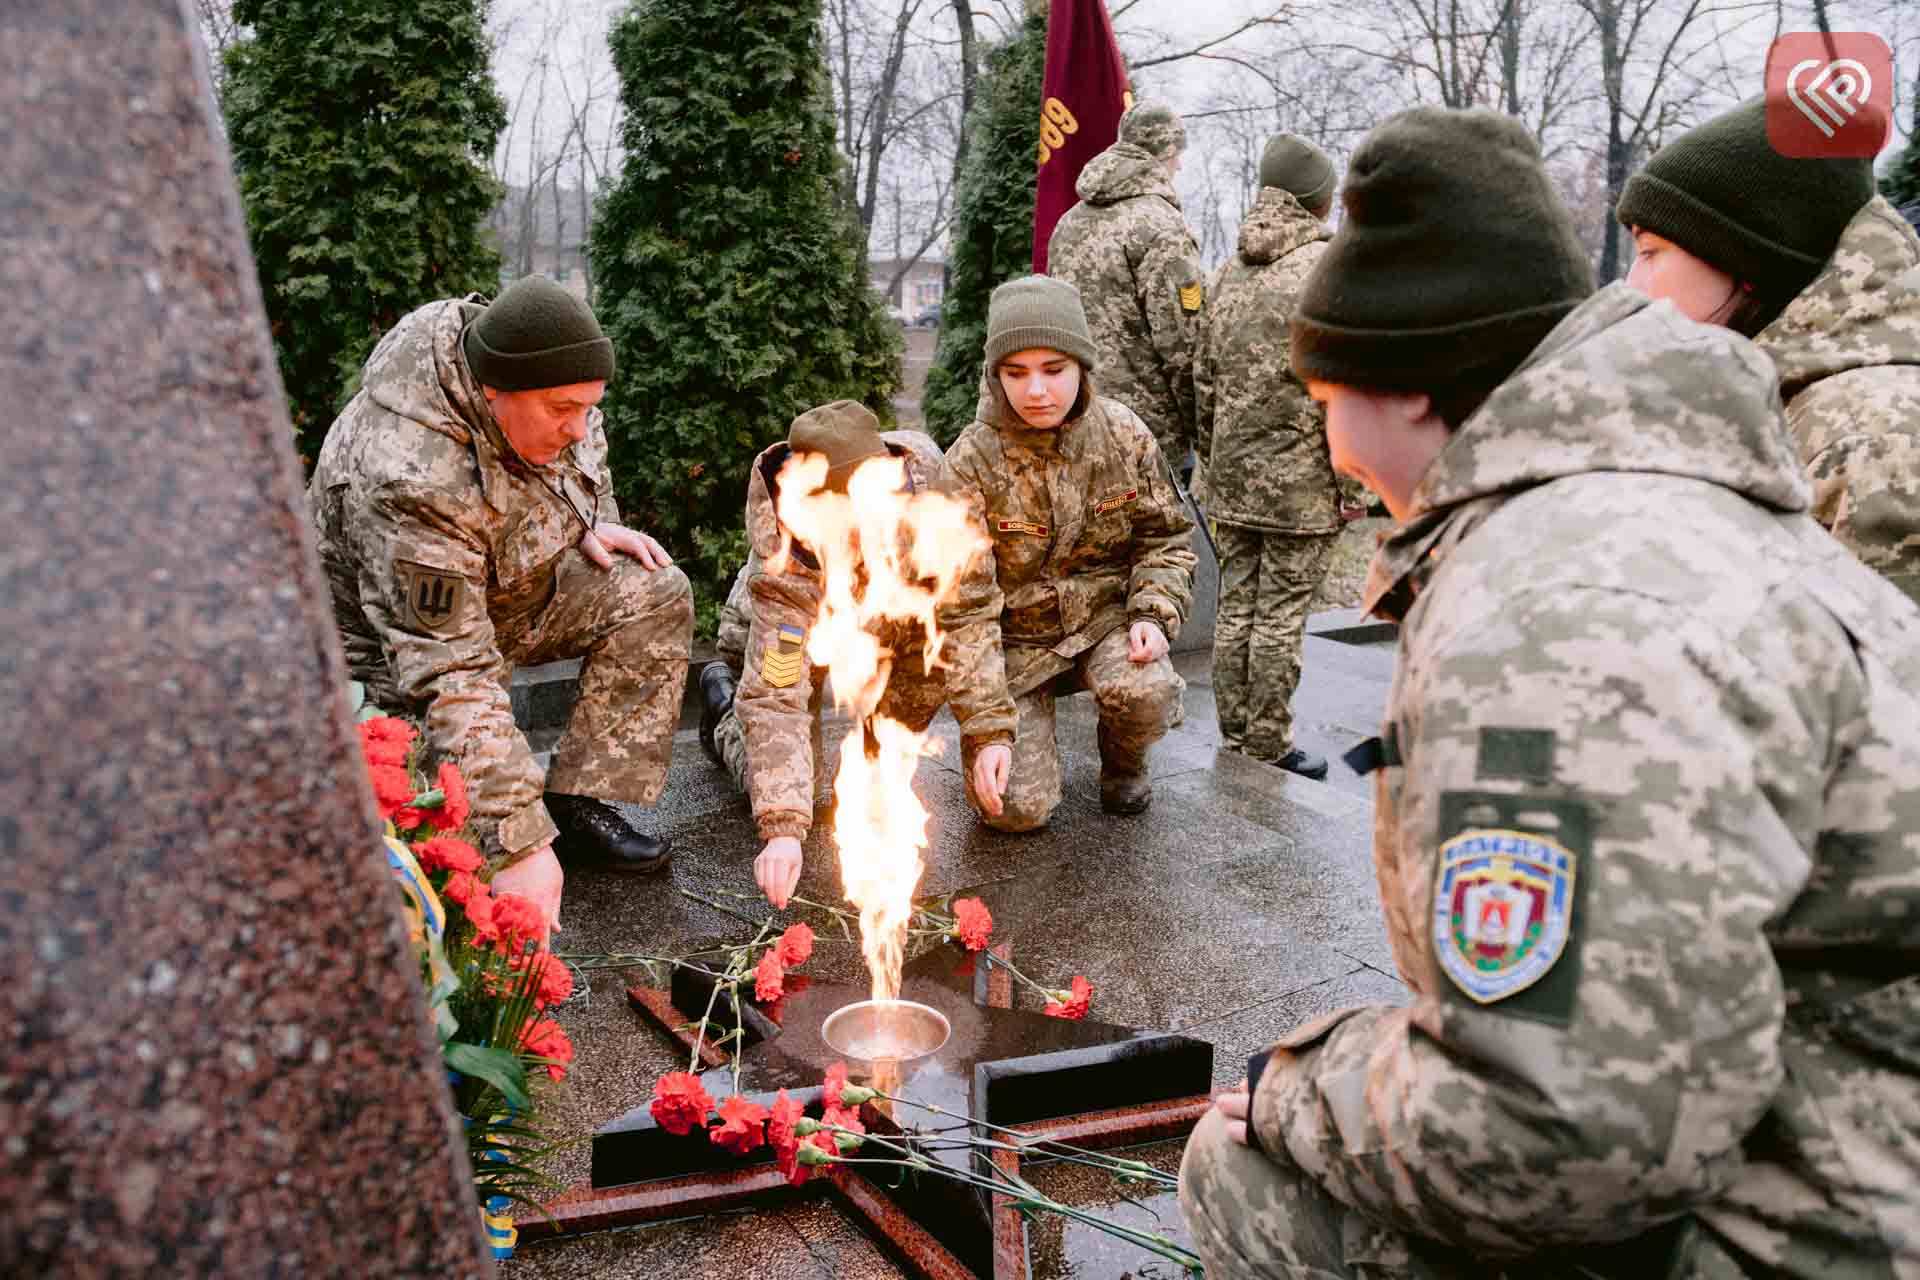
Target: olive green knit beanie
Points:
(1454, 260)
(1721, 192)
(1037, 311)
(846, 432)
(1154, 128)
(536, 334)
(1296, 166)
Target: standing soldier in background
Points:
(768, 737)
(1127, 249)
(1263, 445)
(467, 525)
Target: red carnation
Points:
(447, 853)
(545, 1039)
(844, 1118)
(479, 909)
(518, 921)
(1075, 1005)
(795, 946)
(973, 923)
(741, 1127)
(392, 789)
(780, 1136)
(836, 1081)
(462, 886)
(768, 976)
(385, 740)
(553, 983)
(452, 813)
(680, 1102)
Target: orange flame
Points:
(886, 556)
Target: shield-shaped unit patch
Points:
(1502, 910)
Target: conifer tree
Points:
(360, 133)
(993, 220)
(728, 275)
(1901, 182)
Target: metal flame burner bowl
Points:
(886, 1030)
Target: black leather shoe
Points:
(593, 834)
(716, 699)
(1304, 763)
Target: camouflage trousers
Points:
(634, 628)
(1267, 581)
(1257, 1217)
(1136, 703)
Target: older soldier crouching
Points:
(1090, 573)
(768, 737)
(467, 525)
(1648, 825)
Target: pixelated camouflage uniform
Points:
(1271, 490)
(770, 740)
(1848, 352)
(1127, 249)
(1617, 613)
(418, 499)
(1088, 537)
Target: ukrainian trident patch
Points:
(1502, 910)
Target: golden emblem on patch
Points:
(1502, 910)
(1191, 296)
(785, 658)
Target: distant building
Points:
(923, 284)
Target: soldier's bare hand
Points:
(777, 869)
(631, 542)
(539, 879)
(1235, 1106)
(1146, 642)
(990, 770)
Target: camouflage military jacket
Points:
(779, 609)
(437, 541)
(1647, 838)
(1848, 352)
(1262, 438)
(1087, 537)
(1127, 249)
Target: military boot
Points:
(716, 699)
(593, 834)
(1304, 763)
(1123, 777)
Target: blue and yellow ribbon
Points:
(427, 926)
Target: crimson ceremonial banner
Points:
(1082, 97)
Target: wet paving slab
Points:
(1239, 905)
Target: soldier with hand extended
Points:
(1270, 487)
(467, 525)
(1089, 576)
(767, 734)
(1127, 249)
(1647, 832)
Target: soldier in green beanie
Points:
(1803, 257)
(1271, 490)
(1647, 837)
(467, 522)
(1090, 573)
(768, 736)
(1127, 248)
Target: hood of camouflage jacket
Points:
(1276, 226)
(1863, 309)
(1122, 172)
(1622, 384)
(418, 373)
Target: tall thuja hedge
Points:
(993, 220)
(360, 133)
(728, 275)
